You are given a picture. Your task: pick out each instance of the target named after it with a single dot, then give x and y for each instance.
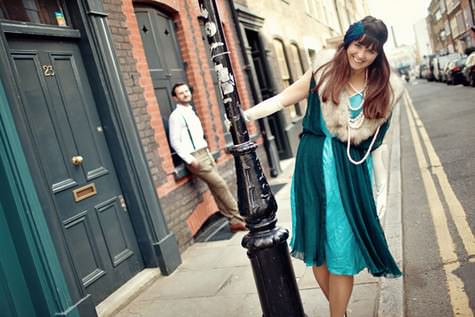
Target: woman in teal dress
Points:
(335, 224)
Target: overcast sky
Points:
(401, 14)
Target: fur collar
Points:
(336, 117)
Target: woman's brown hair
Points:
(336, 73)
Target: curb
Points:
(391, 294)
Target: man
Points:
(187, 138)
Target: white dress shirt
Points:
(183, 142)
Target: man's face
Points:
(183, 94)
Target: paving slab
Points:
(188, 284)
(217, 306)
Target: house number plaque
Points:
(48, 70)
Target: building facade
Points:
(438, 27)
(92, 193)
(451, 25)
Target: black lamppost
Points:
(266, 243)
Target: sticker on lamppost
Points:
(226, 80)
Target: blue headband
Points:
(354, 32)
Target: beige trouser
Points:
(222, 195)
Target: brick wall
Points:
(178, 199)
(137, 82)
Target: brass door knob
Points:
(77, 160)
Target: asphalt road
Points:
(438, 229)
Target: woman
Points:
(336, 229)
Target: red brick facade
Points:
(186, 203)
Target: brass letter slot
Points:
(84, 192)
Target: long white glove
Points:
(380, 158)
(264, 109)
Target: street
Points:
(438, 178)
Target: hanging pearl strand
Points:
(348, 146)
(356, 122)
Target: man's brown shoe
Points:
(237, 226)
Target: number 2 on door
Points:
(48, 70)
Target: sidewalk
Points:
(216, 279)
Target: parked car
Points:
(454, 72)
(435, 66)
(405, 72)
(423, 69)
(439, 64)
(429, 72)
(469, 70)
(445, 71)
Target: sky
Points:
(401, 15)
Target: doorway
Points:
(76, 175)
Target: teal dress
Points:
(334, 219)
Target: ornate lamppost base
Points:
(273, 273)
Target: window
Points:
(297, 66)
(284, 71)
(437, 15)
(327, 12)
(460, 22)
(468, 17)
(41, 12)
(453, 26)
(295, 60)
(442, 35)
(332, 18)
(318, 9)
(311, 55)
(442, 6)
(308, 9)
(447, 28)
(450, 5)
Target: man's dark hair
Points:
(176, 86)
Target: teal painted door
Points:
(69, 146)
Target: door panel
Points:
(164, 59)
(87, 260)
(74, 94)
(57, 170)
(115, 235)
(60, 113)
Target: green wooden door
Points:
(164, 59)
(68, 143)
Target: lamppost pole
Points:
(266, 243)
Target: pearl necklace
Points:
(357, 122)
(360, 92)
(348, 146)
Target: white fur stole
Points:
(336, 116)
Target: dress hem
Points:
(300, 256)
